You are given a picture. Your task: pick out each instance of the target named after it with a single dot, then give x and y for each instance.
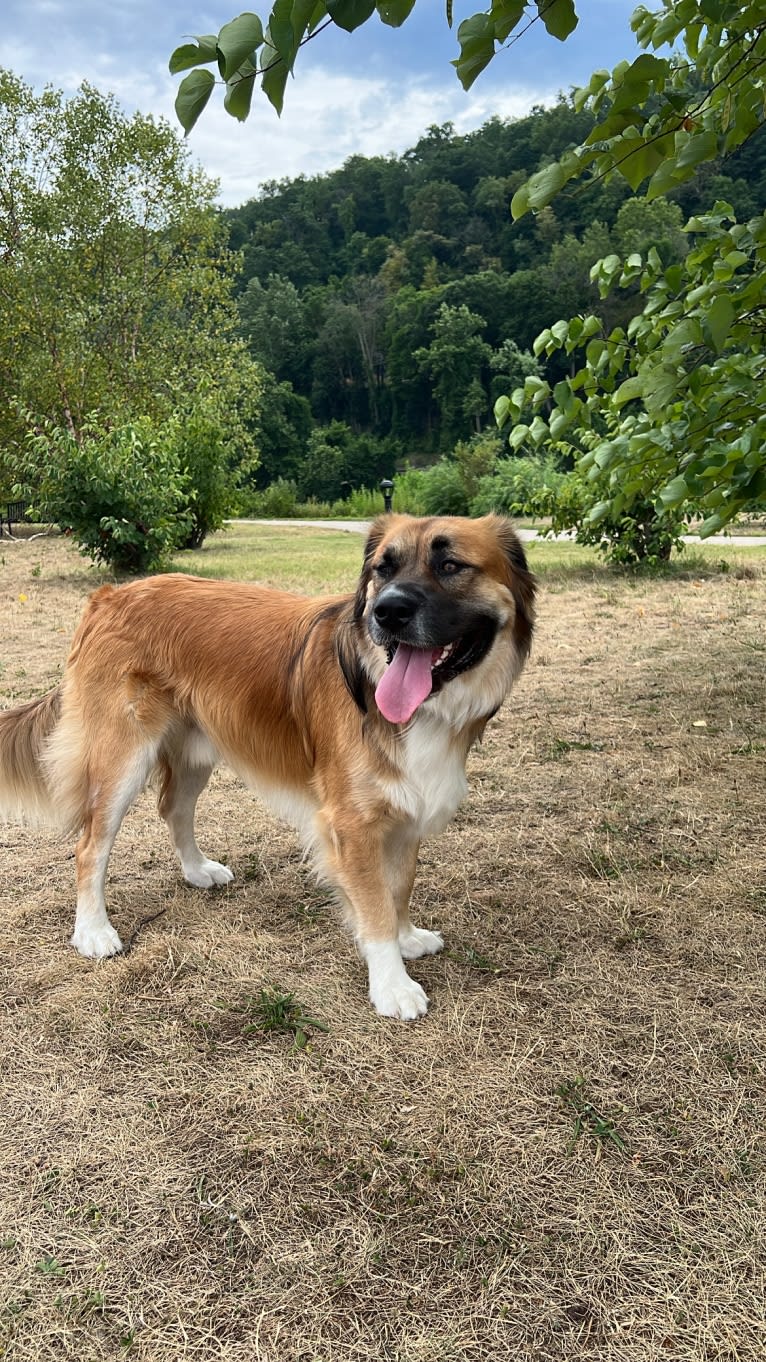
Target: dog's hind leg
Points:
(109, 799)
(182, 781)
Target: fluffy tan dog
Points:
(351, 716)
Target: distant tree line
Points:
(393, 300)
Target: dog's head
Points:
(445, 600)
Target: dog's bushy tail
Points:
(25, 794)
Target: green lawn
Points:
(302, 558)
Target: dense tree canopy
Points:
(115, 273)
(656, 393)
(336, 256)
(127, 402)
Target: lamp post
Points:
(387, 488)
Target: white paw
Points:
(96, 942)
(207, 873)
(417, 941)
(405, 1000)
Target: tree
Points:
(116, 312)
(454, 361)
(115, 277)
(281, 432)
(666, 416)
(669, 377)
(273, 322)
(669, 411)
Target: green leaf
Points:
(502, 410)
(712, 525)
(718, 320)
(538, 430)
(637, 157)
(538, 190)
(199, 52)
(287, 24)
(505, 16)
(559, 17)
(193, 94)
(558, 424)
(564, 397)
(674, 493)
(701, 146)
(394, 12)
(628, 391)
(517, 436)
(477, 48)
(239, 92)
(274, 77)
(237, 41)
(350, 14)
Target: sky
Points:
(373, 92)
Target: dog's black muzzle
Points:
(404, 612)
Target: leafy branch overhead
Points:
(248, 53)
(662, 117)
(672, 405)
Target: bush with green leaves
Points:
(120, 493)
(641, 535)
(278, 501)
(408, 491)
(443, 489)
(518, 487)
(199, 438)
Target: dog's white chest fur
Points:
(433, 783)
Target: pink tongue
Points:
(405, 684)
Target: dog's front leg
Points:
(401, 851)
(356, 863)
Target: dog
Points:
(352, 716)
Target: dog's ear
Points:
(520, 580)
(376, 532)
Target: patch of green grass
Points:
(324, 561)
(588, 1120)
(295, 559)
(277, 1013)
(558, 747)
(479, 962)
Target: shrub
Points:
(517, 487)
(639, 535)
(443, 489)
(120, 492)
(200, 439)
(278, 501)
(408, 491)
(364, 503)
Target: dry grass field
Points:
(565, 1160)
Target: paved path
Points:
(738, 541)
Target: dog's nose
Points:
(396, 607)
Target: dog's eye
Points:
(450, 566)
(385, 568)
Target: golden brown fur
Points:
(173, 673)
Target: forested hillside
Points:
(394, 299)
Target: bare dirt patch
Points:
(565, 1160)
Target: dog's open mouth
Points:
(413, 674)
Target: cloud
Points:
(330, 113)
(329, 117)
